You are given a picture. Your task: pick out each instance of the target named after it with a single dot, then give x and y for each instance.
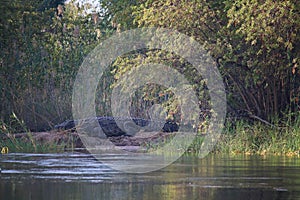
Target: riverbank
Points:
(59, 141)
(256, 138)
(238, 138)
(262, 139)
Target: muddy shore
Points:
(72, 139)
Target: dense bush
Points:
(255, 44)
(41, 51)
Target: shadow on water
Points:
(80, 176)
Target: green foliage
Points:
(40, 54)
(243, 137)
(151, 94)
(119, 13)
(271, 23)
(263, 67)
(26, 143)
(255, 43)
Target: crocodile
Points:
(117, 126)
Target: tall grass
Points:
(26, 144)
(244, 137)
(258, 138)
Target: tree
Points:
(40, 54)
(268, 56)
(255, 43)
(119, 13)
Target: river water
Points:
(79, 176)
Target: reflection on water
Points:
(80, 176)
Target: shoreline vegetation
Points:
(255, 46)
(261, 139)
(240, 137)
